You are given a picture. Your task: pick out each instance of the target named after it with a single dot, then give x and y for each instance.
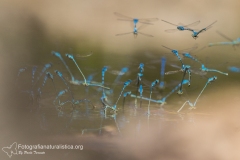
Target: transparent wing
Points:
(205, 29)
(148, 35)
(148, 19)
(175, 66)
(209, 26)
(171, 30)
(98, 85)
(141, 27)
(169, 23)
(167, 47)
(123, 16)
(184, 50)
(224, 36)
(192, 24)
(198, 72)
(138, 21)
(142, 20)
(124, 33)
(189, 49)
(145, 22)
(200, 49)
(180, 24)
(125, 19)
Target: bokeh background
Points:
(30, 30)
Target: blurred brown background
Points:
(30, 30)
